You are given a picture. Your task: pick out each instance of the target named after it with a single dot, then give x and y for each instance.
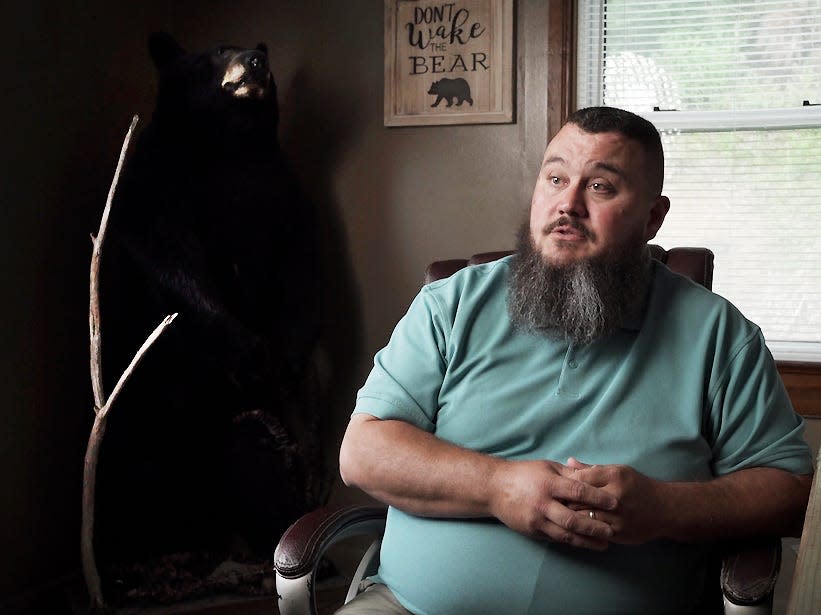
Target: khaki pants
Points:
(374, 599)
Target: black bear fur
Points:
(216, 435)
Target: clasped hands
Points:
(550, 500)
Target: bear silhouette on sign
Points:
(449, 89)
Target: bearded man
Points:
(566, 430)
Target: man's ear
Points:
(661, 205)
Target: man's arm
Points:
(416, 472)
(754, 501)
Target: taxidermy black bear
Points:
(215, 436)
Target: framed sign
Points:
(448, 62)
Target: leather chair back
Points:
(694, 263)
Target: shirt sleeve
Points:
(751, 420)
(407, 375)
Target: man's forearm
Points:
(413, 470)
(751, 502)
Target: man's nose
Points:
(573, 203)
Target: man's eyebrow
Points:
(609, 167)
(599, 165)
(552, 160)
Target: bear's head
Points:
(224, 85)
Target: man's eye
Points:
(556, 181)
(600, 187)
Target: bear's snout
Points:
(247, 76)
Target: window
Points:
(733, 87)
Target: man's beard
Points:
(580, 301)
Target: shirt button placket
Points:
(569, 380)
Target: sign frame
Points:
(448, 62)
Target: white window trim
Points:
(725, 121)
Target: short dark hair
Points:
(610, 119)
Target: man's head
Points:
(582, 258)
(599, 186)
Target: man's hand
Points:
(640, 514)
(542, 499)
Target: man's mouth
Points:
(568, 229)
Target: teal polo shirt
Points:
(688, 393)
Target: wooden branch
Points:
(135, 361)
(94, 294)
(101, 404)
(90, 572)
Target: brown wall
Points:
(392, 201)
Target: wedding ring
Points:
(592, 515)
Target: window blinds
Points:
(725, 82)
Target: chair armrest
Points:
(303, 544)
(749, 572)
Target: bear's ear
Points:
(263, 48)
(163, 49)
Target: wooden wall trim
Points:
(803, 382)
(561, 62)
(805, 594)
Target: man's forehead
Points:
(575, 147)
